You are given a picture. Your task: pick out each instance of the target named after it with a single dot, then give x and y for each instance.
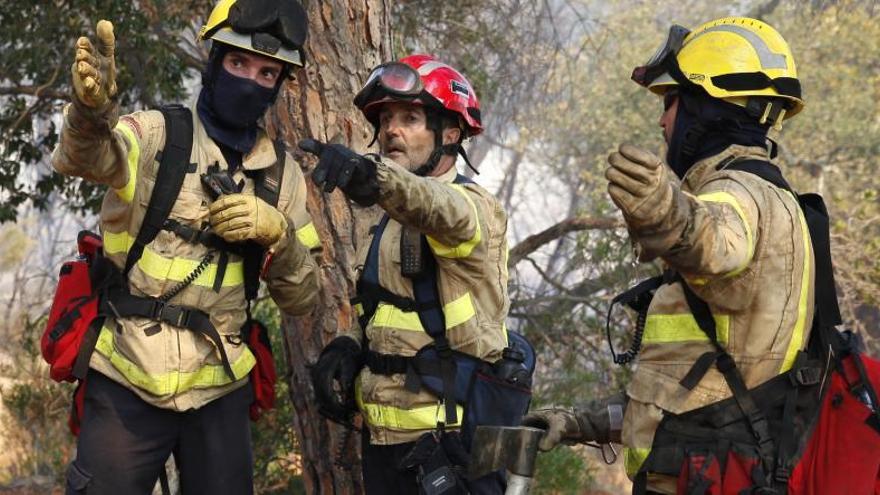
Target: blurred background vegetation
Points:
(553, 79)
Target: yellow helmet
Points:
(272, 28)
(740, 60)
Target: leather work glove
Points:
(239, 217)
(339, 364)
(599, 421)
(561, 426)
(94, 71)
(639, 185)
(338, 166)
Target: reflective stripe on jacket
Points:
(168, 366)
(743, 246)
(466, 229)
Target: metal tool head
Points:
(509, 447)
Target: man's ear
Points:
(451, 135)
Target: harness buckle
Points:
(171, 314)
(782, 474)
(806, 376)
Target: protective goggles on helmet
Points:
(664, 59)
(392, 78)
(287, 23)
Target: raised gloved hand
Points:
(239, 217)
(639, 184)
(333, 378)
(341, 167)
(94, 71)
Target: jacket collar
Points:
(448, 176)
(703, 169)
(261, 156)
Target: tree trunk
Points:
(346, 39)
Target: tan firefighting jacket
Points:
(743, 246)
(167, 366)
(467, 233)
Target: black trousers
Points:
(382, 477)
(124, 442)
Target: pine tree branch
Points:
(533, 242)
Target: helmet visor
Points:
(659, 62)
(393, 78)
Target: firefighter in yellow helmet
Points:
(735, 306)
(170, 370)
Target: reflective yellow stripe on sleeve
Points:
(176, 269)
(727, 198)
(464, 249)
(134, 152)
(797, 335)
(669, 329)
(633, 459)
(308, 236)
(456, 313)
(172, 382)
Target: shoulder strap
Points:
(267, 186)
(173, 161)
(267, 181)
(816, 214)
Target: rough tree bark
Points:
(346, 39)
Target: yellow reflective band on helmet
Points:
(727, 198)
(455, 313)
(797, 335)
(670, 329)
(308, 236)
(633, 459)
(417, 418)
(464, 249)
(176, 269)
(172, 382)
(134, 152)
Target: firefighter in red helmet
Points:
(436, 225)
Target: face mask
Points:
(239, 102)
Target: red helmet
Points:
(421, 80)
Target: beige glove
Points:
(598, 421)
(94, 71)
(238, 217)
(639, 184)
(561, 426)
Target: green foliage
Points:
(276, 451)
(37, 442)
(36, 53)
(561, 471)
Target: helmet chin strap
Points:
(441, 150)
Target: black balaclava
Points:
(706, 126)
(230, 106)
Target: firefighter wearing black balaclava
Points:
(157, 385)
(729, 238)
